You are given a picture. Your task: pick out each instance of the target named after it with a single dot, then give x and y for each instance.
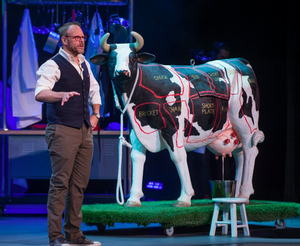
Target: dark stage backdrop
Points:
(262, 32)
(265, 33)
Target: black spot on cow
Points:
(242, 66)
(168, 139)
(190, 130)
(171, 114)
(246, 107)
(150, 100)
(155, 115)
(150, 114)
(205, 80)
(158, 80)
(210, 113)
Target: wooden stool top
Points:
(230, 200)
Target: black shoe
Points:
(83, 240)
(59, 242)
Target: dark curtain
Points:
(292, 168)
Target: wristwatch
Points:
(97, 115)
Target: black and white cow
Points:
(181, 108)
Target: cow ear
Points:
(99, 59)
(145, 57)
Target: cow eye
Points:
(132, 59)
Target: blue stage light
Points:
(154, 185)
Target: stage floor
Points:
(31, 229)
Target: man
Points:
(67, 85)
(222, 51)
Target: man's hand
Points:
(50, 96)
(67, 96)
(94, 121)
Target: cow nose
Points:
(122, 73)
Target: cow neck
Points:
(130, 95)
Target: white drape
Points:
(24, 67)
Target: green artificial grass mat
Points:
(199, 213)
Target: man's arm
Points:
(93, 118)
(50, 96)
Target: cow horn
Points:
(103, 42)
(139, 43)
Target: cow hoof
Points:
(244, 196)
(247, 202)
(246, 193)
(181, 204)
(133, 204)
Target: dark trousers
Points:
(71, 152)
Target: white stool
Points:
(233, 219)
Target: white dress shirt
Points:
(49, 73)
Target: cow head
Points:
(122, 59)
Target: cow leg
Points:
(244, 119)
(138, 157)
(179, 157)
(239, 163)
(245, 164)
(246, 188)
(251, 152)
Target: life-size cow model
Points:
(181, 108)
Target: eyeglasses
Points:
(77, 38)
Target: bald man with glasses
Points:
(67, 85)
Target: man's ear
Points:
(64, 40)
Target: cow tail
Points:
(257, 137)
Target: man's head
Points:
(222, 51)
(222, 54)
(72, 38)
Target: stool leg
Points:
(233, 220)
(225, 218)
(244, 220)
(214, 219)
